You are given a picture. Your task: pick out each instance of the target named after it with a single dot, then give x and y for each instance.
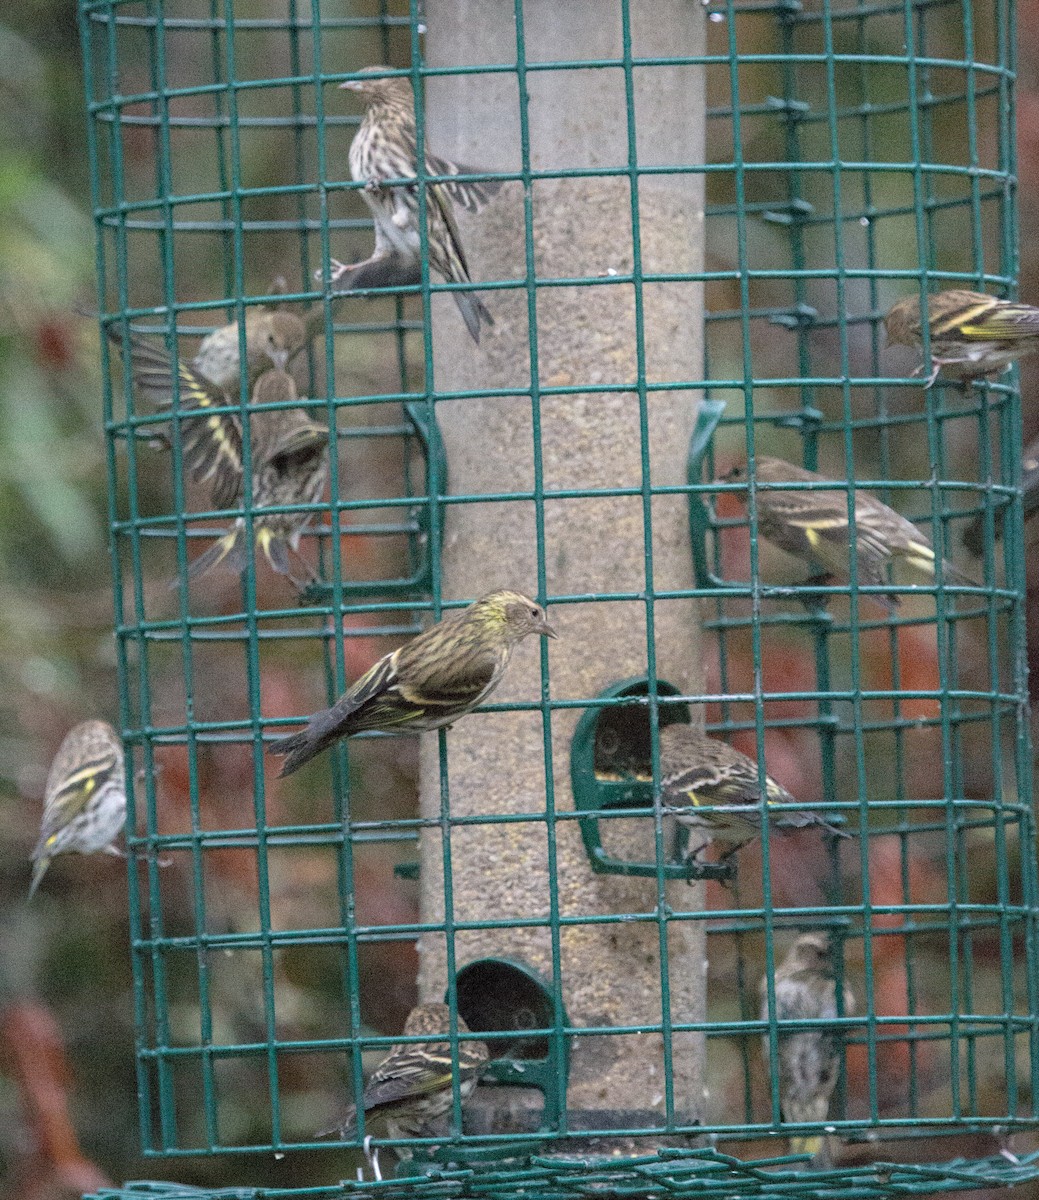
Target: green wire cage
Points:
(852, 154)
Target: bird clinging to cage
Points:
(429, 682)
(696, 770)
(385, 148)
(813, 524)
(969, 332)
(414, 1084)
(808, 1059)
(289, 453)
(84, 806)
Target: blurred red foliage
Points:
(32, 1053)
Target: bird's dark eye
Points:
(535, 613)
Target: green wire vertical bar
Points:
(167, 240)
(220, 140)
(952, 742)
(249, 587)
(335, 663)
(925, 247)
(662, 907)
(854, 623)
(868, 82)
(1006, 44)
(448, 928)
(400, 335)
(530, 287)
(87, 15)
(941, 538)
(755, 590)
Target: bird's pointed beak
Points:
(546, 630)
(352, 85)
(280, 358)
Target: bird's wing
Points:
(304, 440)
(441, 213)
(711, 783)
(211, 442)
(444, 674)
(376, 681)
(826, 520)
(73, 794)
(472, 195)
(999, 320)
(404, 1075)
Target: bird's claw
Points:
(372, 1156)
(337, 271)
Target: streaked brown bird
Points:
(289, 456)
(698, 770)
(413, 1086)
(385, 148)
(84, 805)
(813, 525)
(808, 1059)
(970, 333)
(429, 682)
(974, 534)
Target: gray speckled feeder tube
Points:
(586, 337)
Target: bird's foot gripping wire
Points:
(372, 1156)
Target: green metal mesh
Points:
(858, 151)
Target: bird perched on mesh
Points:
(697, 770)
(974, 534)
(289, 458)
(385, 148)
(809, 1059)
(413, 1086)
(429, 682)
(84, 805)
(813, 525)
(970, 333)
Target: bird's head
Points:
(376, 86)
(285, 333)
(516, 615)
(430, 1019)
(902, 324)
(811, 952)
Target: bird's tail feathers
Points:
(39, 869)
(474, 313)
(275, 550)
(954, 575)
(802, 819)
(322, 730)
(229, 549)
